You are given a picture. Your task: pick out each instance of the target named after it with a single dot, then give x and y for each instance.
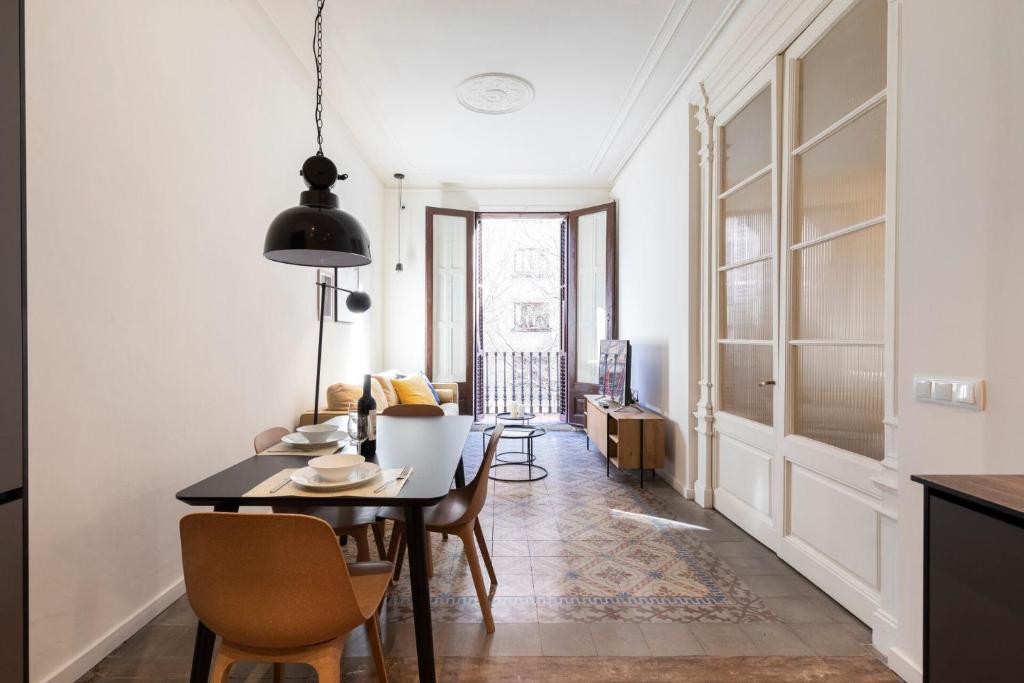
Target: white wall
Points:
(961, 239)
(405, 316)
(162, 139)
(659, 281)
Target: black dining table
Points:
(432, 446)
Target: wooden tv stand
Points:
(628, 437)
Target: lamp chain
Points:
(318, 55)
(400, 207)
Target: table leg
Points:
(641, 454)
(460, 475)
(202, 653)
(416, 539)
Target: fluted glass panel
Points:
(748, 222)
(838, 287)
(838, 397)
(747, 301)
(841, 180)
(844, 69)
(747, 140)
(742, 367)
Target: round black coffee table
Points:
(525, 434)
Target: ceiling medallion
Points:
(494, 93)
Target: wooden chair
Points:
(276, 588)
(356, 522)
(457, 514)
(413, 410)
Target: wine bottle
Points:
(367, 408)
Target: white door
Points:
(833, 300)
(449, 271)
(801, 303)
(745, 309)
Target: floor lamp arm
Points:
(319, 352)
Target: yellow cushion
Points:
(413, 389)
(341, 395)
(379, 395)
(389, 391)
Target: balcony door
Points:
(449, 324)
(590, 300)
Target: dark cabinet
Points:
(973, 569)
(12, 344)
(11, 263)
(12, 622)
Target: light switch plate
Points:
(956, 393)
(922, 388)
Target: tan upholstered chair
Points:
(458, 515)
(276, 588)
(356, 522)
(413, 410)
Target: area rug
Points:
(579, 546)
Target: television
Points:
(613, 370)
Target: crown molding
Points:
(674, 67)
(666, 32)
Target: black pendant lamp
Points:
(317, 232)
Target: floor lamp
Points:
(357, 302)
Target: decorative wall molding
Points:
(885, 623)
(705, 410)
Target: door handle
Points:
(766, 383)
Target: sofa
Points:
(339, 396)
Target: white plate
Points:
(307, 478)
(300, 441)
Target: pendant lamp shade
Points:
(317, 232)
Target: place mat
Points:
(282, 448)
(262, 490)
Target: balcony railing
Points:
(534, 378)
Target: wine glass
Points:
(357, 426)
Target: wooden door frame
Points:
(466, 387)
(563, 311)
(611, 296)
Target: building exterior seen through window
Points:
(520, 281)
(532, 316)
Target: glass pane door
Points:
(837, 235)
(746, 263)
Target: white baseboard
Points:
(903, 666)
(679, 486)
(103, 646)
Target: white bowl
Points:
(318, 433)
(336, 467)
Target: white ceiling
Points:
(603, 70)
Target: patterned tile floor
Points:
(598, 581)
(579, 546)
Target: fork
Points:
(404, 474)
